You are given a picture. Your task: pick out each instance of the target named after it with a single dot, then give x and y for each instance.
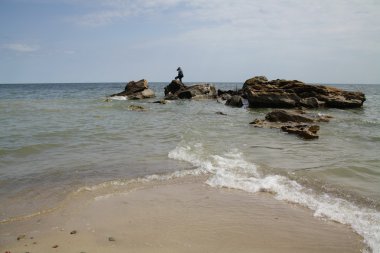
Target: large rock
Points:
(136, 90)
(177, 90)
(235, 101)
(133, 87)
(293, 93)
(174, 87)
(293, 122)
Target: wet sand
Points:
(178, 216)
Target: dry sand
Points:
(178, 216)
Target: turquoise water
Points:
(57, 138)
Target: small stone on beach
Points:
(20, 237)
(111, 239)
(73, 232)
(55, 246)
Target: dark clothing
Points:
(180, 75)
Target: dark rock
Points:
(55, 246)
(221, 113)
(186, 94)
(20, 237)
(225, 95)
(235, 101)
(174, 87)
(73, 232)
(171, 97)
(111, 239)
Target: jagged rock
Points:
(174, 87)
(304, 131)
(136, 90)
(235, 101)
(133, 87)
(294, 122)
(177, 90)
(293, 93)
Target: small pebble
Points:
(20, 237)
(111, 239)
(73, 232)
(55, 246)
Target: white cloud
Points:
(22, 48)
(270, 19)
(110, 11)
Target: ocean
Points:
(59, 139)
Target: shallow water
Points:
(57, 138)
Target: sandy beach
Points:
(181, 215)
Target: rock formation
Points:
(235, 101)
(177, 90)
(294, 122)
(136, 90)
(290, 94)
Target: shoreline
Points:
(178, 215)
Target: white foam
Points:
(233, 171)
(118, 98)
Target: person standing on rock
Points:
(180, 74)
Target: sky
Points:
(315, 41)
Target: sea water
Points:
(56, 139)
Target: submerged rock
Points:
(293, 122)
(136, 90)
(138, 108)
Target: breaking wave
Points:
(231, 170)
